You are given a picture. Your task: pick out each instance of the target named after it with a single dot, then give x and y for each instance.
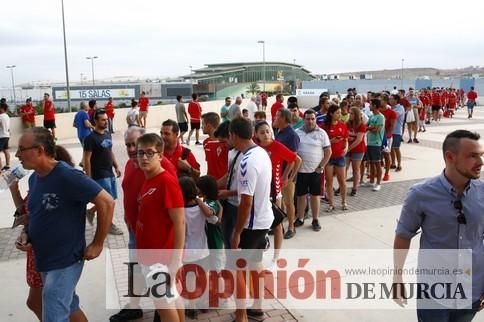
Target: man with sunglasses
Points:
(99, 161)
(448, 210)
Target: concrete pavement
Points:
(369, 224)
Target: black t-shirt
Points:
(102, 158)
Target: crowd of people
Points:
(253, 165)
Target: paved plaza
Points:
(368, 224)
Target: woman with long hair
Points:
(357, 146)
(338, 136)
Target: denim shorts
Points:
(337, 162)
(373, 153)
(59, 298)
(109, 184)
(355, 156)
(397, 141)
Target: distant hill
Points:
(413, 73)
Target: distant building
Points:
(216, 80)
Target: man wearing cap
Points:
(27, 112)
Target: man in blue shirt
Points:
(287, 136)
(82, 123)
(58, 195)
(448, 209)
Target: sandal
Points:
(393, 166)
(399, 168)
(330, 208)
(344, 206)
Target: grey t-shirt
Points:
(234, 109)
(180, 113)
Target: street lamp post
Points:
(401, 75)
(11, 67)
(263, 62)
(92, 67)
(65, 59)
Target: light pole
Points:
(65, 59)
(92, 67)
(401, 75)
(11, 67)
(263, 61)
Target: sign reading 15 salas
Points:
(100, 93)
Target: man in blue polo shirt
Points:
(58, 195)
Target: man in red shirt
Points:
(195, 111)
(390, 121)
(277, 106)
(436, 104)
(182, 158)
(452, 102)
(407, 107)
(27, 112)
(109, 108)
(263, 99)
(49, 114)
(471, 101)
(143, 103)
(132, 182)
(161, 220)
(216, 152)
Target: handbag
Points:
(410, 116)
(279, 214)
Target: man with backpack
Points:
(181, 157)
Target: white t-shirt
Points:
(311, 147)
(132, 114)
(234, 200)
(4, 126)
(196, 246)
(255, 174)
(252, 108)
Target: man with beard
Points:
(447, 212)
(99, 161)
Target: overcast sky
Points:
(163, 38)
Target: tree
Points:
(253, 88)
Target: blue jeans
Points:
(59, 298)
(109, 184)
(447, 315)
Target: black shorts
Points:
(195, 126)
(183, 126)
(373, 153)
(308, 183)
(436, 108)
(254, 240)
(49, 124)
(4, 144)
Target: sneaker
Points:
(330, 209)
(252, 313)
(353, 192)
(289, 234)
(198, 143)
(386, 177)
(90, 217)
(416, 141)
(126, 315)
(367, 184)
(6, 168)
(298, 222)
(377, 187)
(114, 230)
(156, 317)
(344, 206)
(409, 141)
(316, 226)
